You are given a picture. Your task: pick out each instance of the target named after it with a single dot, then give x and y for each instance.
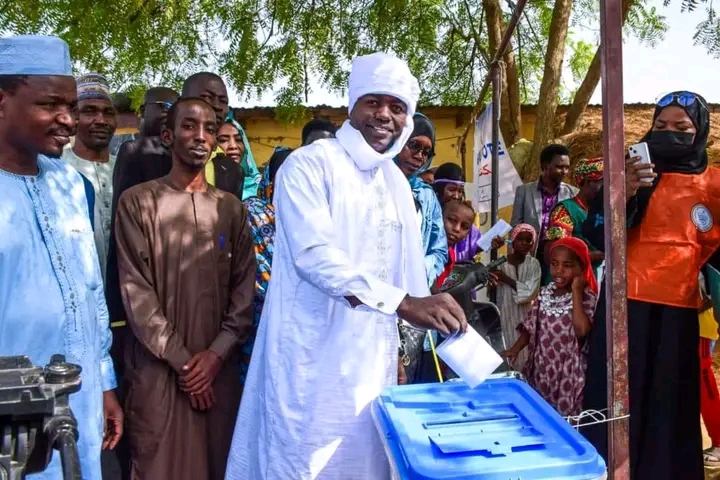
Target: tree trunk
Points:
(549, 88)
(510, 118)
(514, 113)
(589, 84)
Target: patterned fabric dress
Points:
(261, 215)
(557, 361)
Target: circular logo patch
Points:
(701, 218)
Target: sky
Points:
(674, 64)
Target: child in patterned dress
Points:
(556, 326)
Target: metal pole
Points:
(615, 239)
(495, 160)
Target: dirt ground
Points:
(712, 473)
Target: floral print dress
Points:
(261, 217)
(557, 361)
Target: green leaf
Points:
(296, 48)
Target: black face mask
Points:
(670, 144)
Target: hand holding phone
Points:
(641, 154)
(638, 170)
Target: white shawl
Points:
(385, 74)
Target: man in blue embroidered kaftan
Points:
(51, 290)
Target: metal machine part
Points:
(35, 417)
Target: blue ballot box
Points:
(501, 430)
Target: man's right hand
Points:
(437, 312)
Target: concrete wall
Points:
(266, 132)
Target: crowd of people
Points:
(235, 322)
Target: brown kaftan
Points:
(187, 266)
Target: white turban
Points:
(383, 74)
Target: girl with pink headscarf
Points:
(518, 282)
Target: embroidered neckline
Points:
(551, 304)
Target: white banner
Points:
(509, 179)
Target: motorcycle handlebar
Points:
(465, 278)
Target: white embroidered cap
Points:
(384, 74)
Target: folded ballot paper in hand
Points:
(470, 356)
(500, 229)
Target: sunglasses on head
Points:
(684, 99)
(416, 146)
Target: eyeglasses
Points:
(416, 146)
(684, 99)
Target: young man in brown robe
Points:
(187, 263)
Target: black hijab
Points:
(672, 152)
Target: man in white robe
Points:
(90, 153)
(348, 261)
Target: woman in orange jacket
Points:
(671, 234)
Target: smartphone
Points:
(641, 150)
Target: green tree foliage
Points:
(260, 44)
(708, 31)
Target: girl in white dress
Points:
(518, 282)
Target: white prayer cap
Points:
(34, 55)
(383, 74)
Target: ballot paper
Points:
(470, 356)
(500, 229)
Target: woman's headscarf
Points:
(432, 230)
(579, 248)
(247, 161)
(422, 127)
(588, 169)
(523, 228)
(667, 151)
(447, 173)
(247, 155)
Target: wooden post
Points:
(615, 239)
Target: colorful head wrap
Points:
(579, 248)
(93, 86)
(449, 173)
(591, 169)
(523, 228)
(445, 174)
